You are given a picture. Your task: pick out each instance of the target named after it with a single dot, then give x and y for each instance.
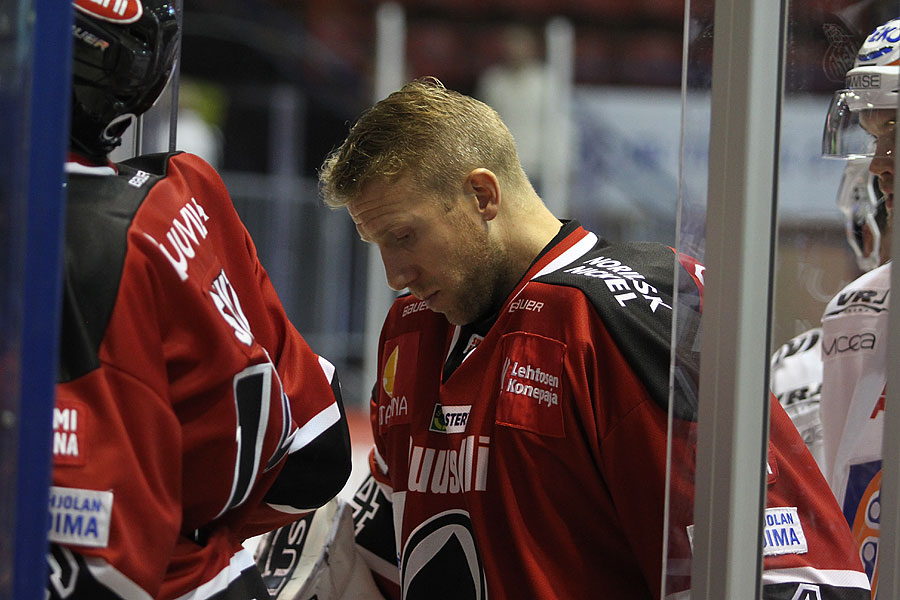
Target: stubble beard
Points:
(485, 276)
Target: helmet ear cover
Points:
(862, 206)
(120, 68)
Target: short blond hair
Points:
(434, 134)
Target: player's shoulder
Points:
(799, 347)
(622, 275)
(868, 293)
(408, 312)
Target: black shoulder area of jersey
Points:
(99, 211)
(631, 285)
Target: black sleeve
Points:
(316, 473)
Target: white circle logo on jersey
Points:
(441, 561)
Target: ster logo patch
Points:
(115, 11)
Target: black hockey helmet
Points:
(123, 55)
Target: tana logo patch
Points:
(397, 379)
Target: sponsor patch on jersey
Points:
(71, 420)
(80, 517)
(862, 342)
(531, 384)
(116, 11)
(625, 284)
(398, 373)
(783, 533)
(449, 419)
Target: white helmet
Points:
(872, 83)
(862, 204)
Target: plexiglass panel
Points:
(829, 327)
(691, 245)
(828, 322)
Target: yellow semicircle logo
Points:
(390, 371)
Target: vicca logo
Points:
(849, 343)
(115, 11)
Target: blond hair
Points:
(434, 134)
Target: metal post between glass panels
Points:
(733, 389)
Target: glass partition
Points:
(829, 323)
(825, 216)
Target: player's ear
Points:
(483, 185)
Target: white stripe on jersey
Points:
(241, 560)
(315, 427)
(830, 577)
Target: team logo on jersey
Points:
(70, 432)
(783, 533)
(441, 554)
(862, 507)
(116, 11)
(397, 379)
(531, 384)
(80, 517)
(449, 419)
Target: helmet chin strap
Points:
(112, 133)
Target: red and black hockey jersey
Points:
(190, 414)
(536, 467)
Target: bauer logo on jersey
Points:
(116, 11)
(783, 533)
(80, 517)
(449, 419)
(531, 387)
(397, 379)
(70, 432)
(626, 285)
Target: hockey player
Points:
(520, 416)
(861, 122)
(190, 414)
(796, 367)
